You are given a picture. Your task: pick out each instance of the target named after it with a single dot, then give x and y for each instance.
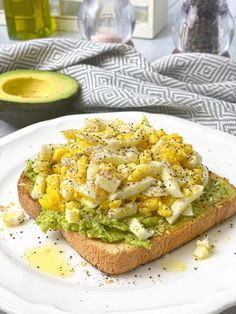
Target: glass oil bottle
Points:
(28, 19)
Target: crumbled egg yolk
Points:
(109, 164)
(115, 204)
(52, 199)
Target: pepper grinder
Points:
(110, 21)
(203, 26)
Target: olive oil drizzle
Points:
(50, 260)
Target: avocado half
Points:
(29, 96)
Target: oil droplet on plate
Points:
(173, 265)
(50, 260)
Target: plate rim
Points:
(26, 130)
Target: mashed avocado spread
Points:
(95, 225)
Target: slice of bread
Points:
(119, 258)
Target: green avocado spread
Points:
(95, 225)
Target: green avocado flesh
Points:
(96, 225)
(32, 86)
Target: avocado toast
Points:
(150, 200)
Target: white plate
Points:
(208, 289)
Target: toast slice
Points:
(118, 258)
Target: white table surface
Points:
(159, 47)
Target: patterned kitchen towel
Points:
(198, 87)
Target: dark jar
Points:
(203, 26)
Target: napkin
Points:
(197, 87)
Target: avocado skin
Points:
(23, 114)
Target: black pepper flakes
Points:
(88, 273)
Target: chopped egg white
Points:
(46, 151)
(204, 249)
(194, 160)
(188, 211)
(68, 161)
(88, 196)
(155, 147)
(72, 215)
(181, 204)
(170, 181)
(107, 181)
(158, 189)
(96, 124)
(133, 188)
(127, 210)
(115, 144)
(153, 168)
(39, 186)
(67, 189)
(87, 190)
(139, 231)
(44, 159)
(205, 176)
(13, 218)
(124, 156)
(92, 171)
(89, 203)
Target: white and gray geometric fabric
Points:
(197, 87)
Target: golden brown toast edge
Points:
(118, 258)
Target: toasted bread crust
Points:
(118, 258)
